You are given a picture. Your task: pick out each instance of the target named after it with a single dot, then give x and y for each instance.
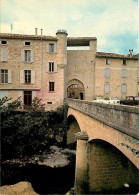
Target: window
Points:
(107, 72)
(27, 43)
(124, 88)
(27, 98)
(4, 76)
(124, 73)
(51, 47)
(27, 76)
(4, 42)
(27, 55)
(51, 86)
(51, 66)
(124, 62)
(107, 61)
(4, 54)
(107, 87)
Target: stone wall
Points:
(110, 114)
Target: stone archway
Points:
(75, 90)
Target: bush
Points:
(32, 131)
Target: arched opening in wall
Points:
(73, 128)
(76, 90)
(110, 170)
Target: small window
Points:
(49, 102)
(51, 47)
(51, 86)
(27, 76)
(51, 66)
(108, 61)
(27, 55)
(124, 62)
(124, 88)
(4, 76)
(107, 87)
(4, 42)
(27, 43)
(107, 72)
(124, 73)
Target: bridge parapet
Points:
(120, 117)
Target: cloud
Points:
(108, 20)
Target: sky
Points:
(115, 23)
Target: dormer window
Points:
(124, 62)
(4, 42)
(27, 43)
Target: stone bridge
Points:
(107, 145)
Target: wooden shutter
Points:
(22, 77)
(32, 76)
(22, 55)
(33, 94)
(55, 67)
(55, 47)
(47, 66)
(9, 76)
(107, 72)
(4, 55)
(32, 56)
(47, 47)
(107, 88)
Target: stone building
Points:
(44, 67)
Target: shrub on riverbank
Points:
(32, 131)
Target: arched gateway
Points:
(75, 89)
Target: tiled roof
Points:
(21, 36)
(114, 55)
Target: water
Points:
(46, 180)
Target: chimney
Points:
(36, 31)
(41, 31)
(130, 51)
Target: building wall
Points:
(39, 67)
(115, 79)
(80, 66)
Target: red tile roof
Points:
(21, 36)
(114, 55)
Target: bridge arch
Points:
(97, 130)
(75, 89)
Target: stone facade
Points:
(42, 66)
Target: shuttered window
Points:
(124, 73)
(27, 76)
(107, 72)
(107, 87)
(4, 54)
(51, 47)
(51, 67)
(27, 56)
(124, 88)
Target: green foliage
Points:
(32, 131)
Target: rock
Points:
(22, 188)
(55, 160)
(54, 149)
